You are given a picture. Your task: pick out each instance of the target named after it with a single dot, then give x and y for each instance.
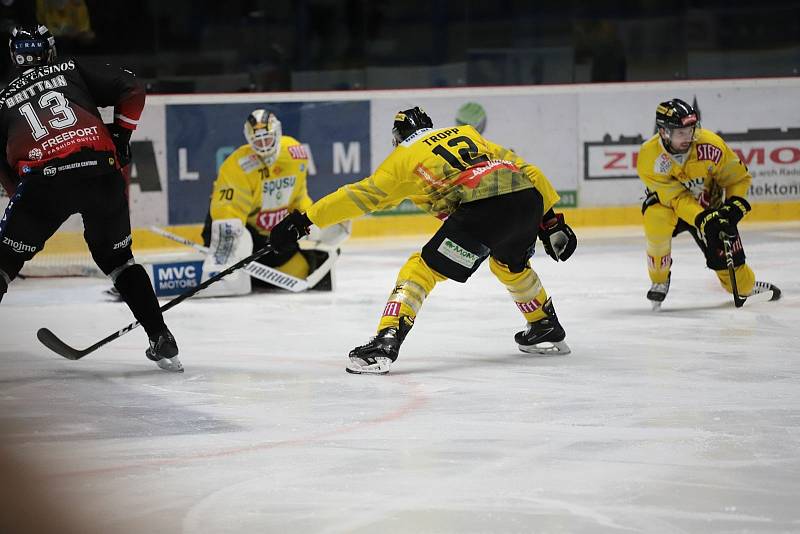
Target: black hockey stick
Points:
(51, 341)
(726, 245)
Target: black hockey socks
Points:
(135, 289)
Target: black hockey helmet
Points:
(31, 46)
(409, 121)
(675, 113)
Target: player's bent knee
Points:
(119, 272)
(454, 253)
(5, 281)
(114, 261)
(10, 267)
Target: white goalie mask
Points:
(262, 129)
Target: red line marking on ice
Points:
(416, 401)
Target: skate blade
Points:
(656, 305)
(765, 295)
(172, 365)
(552, 348)
(381, 367)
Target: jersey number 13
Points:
(63, 116)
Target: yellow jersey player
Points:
(695, 183)
(495, 205)
(257, 186)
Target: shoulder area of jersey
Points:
(653, 157)
(709, 137)
(293, 148)
(245, 158)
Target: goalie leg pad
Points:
(230, 242)
(454, 253)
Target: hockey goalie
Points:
(257, 186)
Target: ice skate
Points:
(766, 289)
(164, 351)
(658, 292)
(545, 336)
(376, 356)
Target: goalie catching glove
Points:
(289, 231)
(557, 237)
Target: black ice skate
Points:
(164, 351)
(376, 357)
(765, 288)
(545, 336)
(658, 292)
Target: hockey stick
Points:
(51, 341)
(726, 245)
(255, 270)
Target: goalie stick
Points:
(255, 270)
(51, 341)
(726, 245)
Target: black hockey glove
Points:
(289, 230)
(710, 223)
(558, 239)
(122, 142)
(734, 209)
(649, 200)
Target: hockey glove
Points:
(734, 209)
(649, 200)
(558, 239)
(710, 223)
(289, 230)
(122, 142)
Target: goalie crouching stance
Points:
(496, 205)
(257, 186)
(695, 183)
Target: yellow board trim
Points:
(405, 225)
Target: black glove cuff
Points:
(732, 201)
(121, 135)
(306, 222)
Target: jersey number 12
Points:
(468, 154)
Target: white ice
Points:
(687, 420)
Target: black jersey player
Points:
(60, 158)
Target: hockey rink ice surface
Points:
(687, 420)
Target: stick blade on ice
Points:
(51, 341)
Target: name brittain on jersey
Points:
(11, 97)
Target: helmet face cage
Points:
(31, 46)
(674, 114)
(262, 129)
(407, 122)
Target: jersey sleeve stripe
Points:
(123, 118)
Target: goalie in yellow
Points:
(257, 186)
(695, 183)
(494, 204)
